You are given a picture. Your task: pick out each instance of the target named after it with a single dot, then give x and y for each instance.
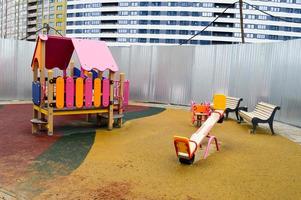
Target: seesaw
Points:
(186, 148)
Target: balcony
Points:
(225, 15)
(31, 22)
(31, 30)
(109, 39)
(108, 21)
(31, 38)
(109, 13)
(226, 25)
(31, 8)
(222, 34)
(224, 5)
(109, 4)
(30, 15)
(108, 30)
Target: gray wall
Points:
(179, 74)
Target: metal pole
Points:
(241, 22)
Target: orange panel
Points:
(79, 92)
(219, 102)
(60, 92)
(97, 92)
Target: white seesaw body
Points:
(197, 138)
(204, 130)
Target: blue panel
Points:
(95, 74)
(76, 72)
(36, 93)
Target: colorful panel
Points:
(95, 74)
(60, 92)
(97, 92)
(126, 93)
(105, 92)
(219, 102)
(88, 92)
(76, 72)
(79, 92)
(36, 92)
(69, 92)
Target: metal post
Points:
(241, 21)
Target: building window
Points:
(124, 4)
(206, 14)
(263, 27)
(59, 24)
(122, 31)
(59, 16)
(142, 40)
(153, 40)
(260, 36)
(59, 8)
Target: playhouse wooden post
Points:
(50, 101)
(42, 77)
(98, 117)
(89, 116)
(71, 68)
(34, 127)
(111, 105)
(120, 100)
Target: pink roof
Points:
(94, 55)
(58, 52)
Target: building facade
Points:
(41, 12)
(13, 18)
(173, 22)
(22, 18)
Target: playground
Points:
(135, 162)
(83, 136)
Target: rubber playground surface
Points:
(138, 161)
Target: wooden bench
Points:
(232, 105)
(263, 113)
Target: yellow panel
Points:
(79, 92)
(78, 112)
(60, 90)
(219, 102)
(97, 92)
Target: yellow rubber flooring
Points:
(138, 161)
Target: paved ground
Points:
(138, 160)
(293, 133)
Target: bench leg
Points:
(236, 113)
(227, 114)
(254, 128)
(240, 119)
(271, 127)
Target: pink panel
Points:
(69, 92)
(94, 54)
(105, 92)
(88, 92)
(126, 93)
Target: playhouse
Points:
(82, 89)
